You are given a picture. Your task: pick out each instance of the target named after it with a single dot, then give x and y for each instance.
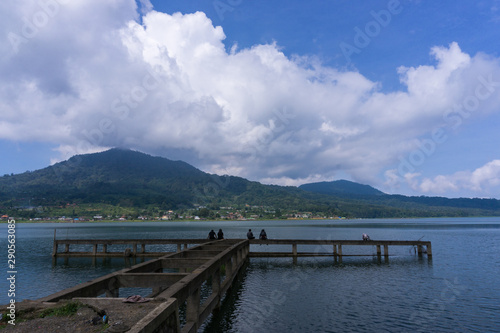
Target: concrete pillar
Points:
(172, 323)
(216, 286)
(386, 250)
(157, 290)
(216, 281)
(112, 289)
(113, 293)
(238, 257)
(229, 268)
(193, 308)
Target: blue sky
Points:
(400, 95)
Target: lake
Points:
(457, 291)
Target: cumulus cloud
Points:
(100, 74)
(481, 180)
(146, 6)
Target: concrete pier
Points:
(423, 247)
(103, 247)
(214, 261)
(177, 278)
(338, 245)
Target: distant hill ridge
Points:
(127, 178)
(341, 187)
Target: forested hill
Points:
(419, 205)
(111, 177)
(125, 178)
(131, 178)
(341, 188)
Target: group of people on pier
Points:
(220, 234)
(213, 235)
(262, 234)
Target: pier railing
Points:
(103, 247)
(336, 247)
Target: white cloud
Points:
(287, 181)
(485, 176)
(98, 75)
(440, 184)
(146, 6)
(482, 181)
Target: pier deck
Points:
(103, 247)
(177, 278)
(212, 265)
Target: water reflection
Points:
(222, 319)
(275, 292)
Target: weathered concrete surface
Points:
(127, 314)
(169, 290)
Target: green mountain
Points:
(418, 206)
(139, 182)
(341, 188)
(109, 177)
(131, 178)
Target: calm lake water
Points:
(457, 291)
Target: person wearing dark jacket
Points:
(220, 234)
(211, 234)
(250, 234)
(263, 235)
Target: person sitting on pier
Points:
(220, 234)
(366, 237)
(211, 234)
(263, 235)
(250, 234)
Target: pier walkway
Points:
(103, 247)
(175, 280)
(194, 278)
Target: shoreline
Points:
(252, 220)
